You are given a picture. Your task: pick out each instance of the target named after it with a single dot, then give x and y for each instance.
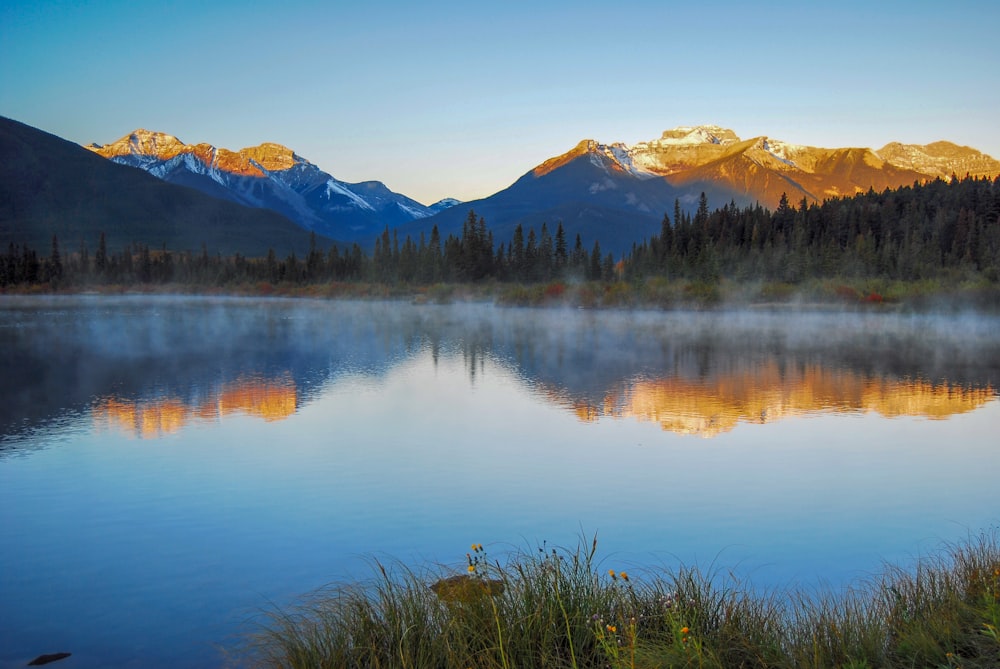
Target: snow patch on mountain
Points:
(415, 213)
(625, 156)
(780, 150)
(272, 176)
(445, 203)
(702, 134)
(333, 186)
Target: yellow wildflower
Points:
(611, 573)
(624, 576)
(685, 630)
(612, 629)
(472, 568)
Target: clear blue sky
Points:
(461, 98)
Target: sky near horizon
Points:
(459, 99)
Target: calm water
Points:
(170, 467)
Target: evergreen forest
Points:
(941, 231)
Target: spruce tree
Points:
(101, 257)
(55, 260)
(561, 258)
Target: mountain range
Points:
(50, 186)
(272, 176)
(269, 196)
(616, 193)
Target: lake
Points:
(171, 467)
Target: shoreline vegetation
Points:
(563, 608)
(934, 245)
(653, 293)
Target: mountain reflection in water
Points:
(294, 438)
(765, 394)
(685, 406)
(269, 399)
(152, 365)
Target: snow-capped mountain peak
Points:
(446, 203)
(270, 176)
(148, 142)
(692, 159)
(142, 143)
(700, 134)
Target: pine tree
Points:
(271, 266)
(434, 254)
(561, 258)
(145, 265)
(546, 255)
(578, 260)
(517, 254)
(55, 261)
(701, 218)
(101, 257)
(314, 261)
(594, 273)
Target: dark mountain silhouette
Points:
(50, 186)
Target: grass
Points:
(556, 608)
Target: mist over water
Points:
(169, 466)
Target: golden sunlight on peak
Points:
(271, 156)
(552, 164)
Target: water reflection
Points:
(152, 365)
(703, 407)
(766, 393)
(410, 431)
(269, 399)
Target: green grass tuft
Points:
(555, 608)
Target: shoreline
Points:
(657, 295)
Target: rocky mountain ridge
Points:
(271, 176)
(616, 192)
(762, 168)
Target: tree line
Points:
(471, 257)
(927, 230)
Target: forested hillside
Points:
(936, 230)
(923, 231)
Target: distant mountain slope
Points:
(940, 159)
(273, 177)
(618, 193)
(585, 194)
(761, 169)
(49, 186)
